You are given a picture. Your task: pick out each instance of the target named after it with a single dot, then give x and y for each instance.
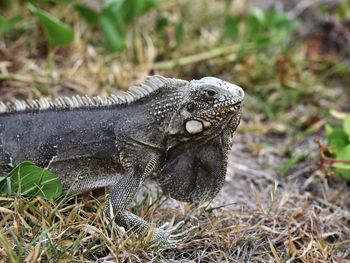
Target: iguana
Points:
(176, 131)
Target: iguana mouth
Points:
(220, 112)
(235, 119)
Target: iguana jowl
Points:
(175, 130)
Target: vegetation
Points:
(337, 154)
(113, 18)
(280, 206)
(30, 180)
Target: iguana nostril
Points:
(240, 93)
(191, 107)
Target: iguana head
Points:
(207, 104)
(208, 112)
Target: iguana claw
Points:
(166, 239)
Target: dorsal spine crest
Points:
(133, 94)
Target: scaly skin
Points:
(176, 131)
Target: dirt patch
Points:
(301, 216)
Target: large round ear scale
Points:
(193, 126)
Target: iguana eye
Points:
(211, 92)
(191, 107)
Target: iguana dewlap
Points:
(177, 131)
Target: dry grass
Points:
(258, 217)
(293, 226)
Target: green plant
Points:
(114, 18)
(260, 28)
(30, 180)
(7, 25)
(57, 32)
(337, 153)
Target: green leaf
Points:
(8, 184)
(338, 139)
(57, 32)
(179, 33)
(113, 30)
(149, 4)
(279, 26)
(266, 28)
(290, 163)
(133, 8)
(346, 125)
(341, 167)
(231, 27)
(345, 166)
(129, 9)
(259, 15)
(89, 14)
(329, 129)
(7, 25)
(2, 181)
(115, 15)
(342, 8)
(338, 114)
(31, 180)
(115, 4)
(5, 4)
(162, 22)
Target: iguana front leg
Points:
(121, 194)
(124, 191)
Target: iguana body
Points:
(176, 130)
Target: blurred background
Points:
(291, 57)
